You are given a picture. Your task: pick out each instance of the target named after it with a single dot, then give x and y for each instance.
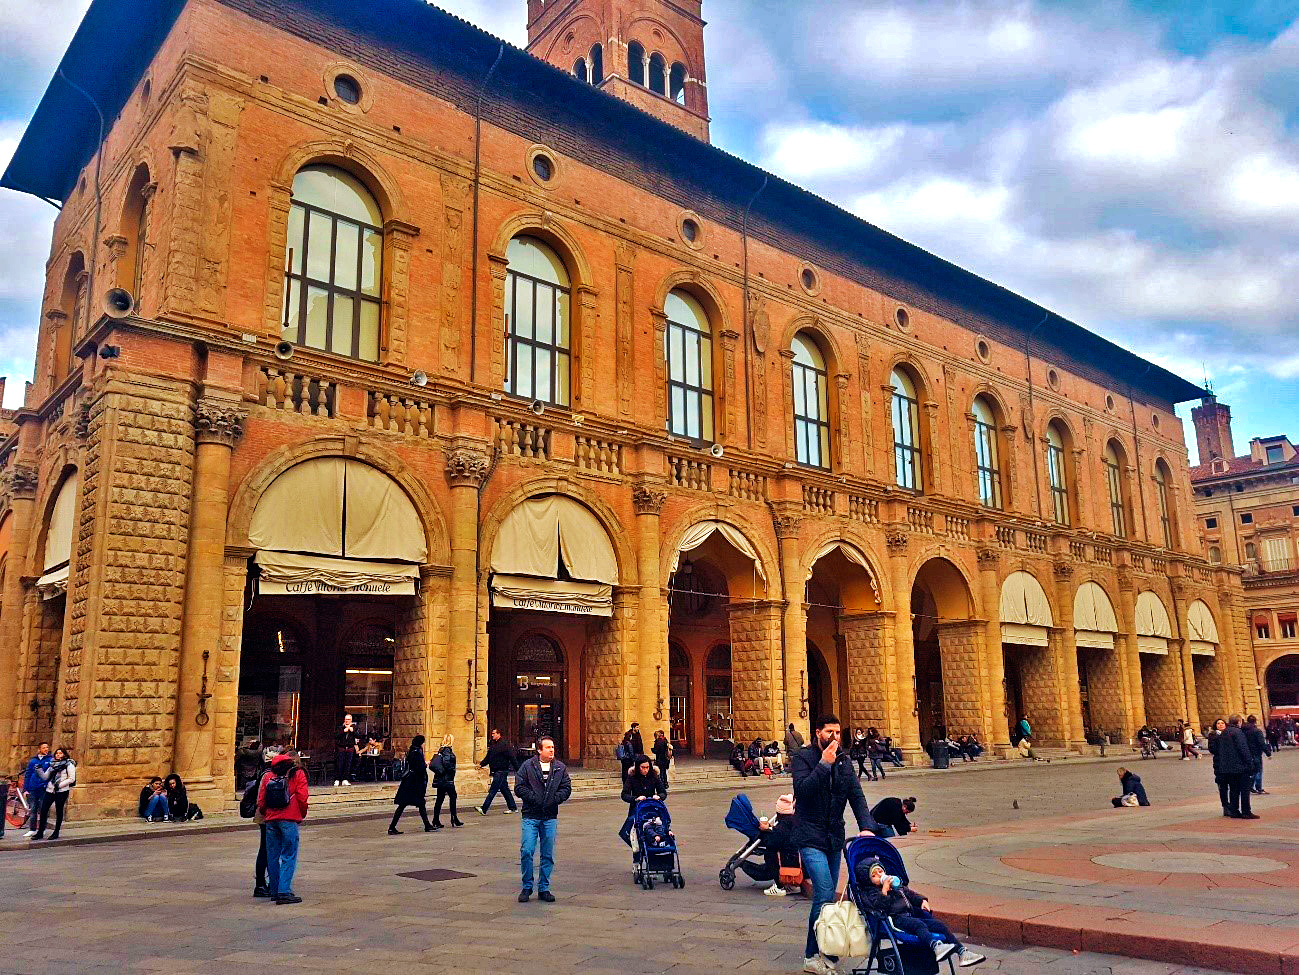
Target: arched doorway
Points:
(845, 625)
(550, 632)
(820, 687)
(1034, 682)
(680, 699)
(328, 596)
(719, 702)
(1281, 679)
(946, 642)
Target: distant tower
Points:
(1213, 429)
(647, 52)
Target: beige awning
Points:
(1093, 617)
(1152, 617)
(538, 532)
(1093, 639)
(1152, 644)
(53, 583)
(1202, 648)
(288, 574)
(1025, 636)
(552, 595)
(699, 533)
(1025, 611)
(58, 534)
(1200, 626)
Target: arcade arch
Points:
(1208, 669)
(1161, 671)
(1034, 684)
(1281, 683)
(846, 667)
(946, 641)
(1100, 674)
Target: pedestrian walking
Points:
(60, 777)
(282, 800)
(824, 784)
(500, 758)
(543, 786)
(1187, 734)
(1258, 748)
(1233, 767)
(34, 784)
(861, 752)
(443, 768)
(793, 740)
(413, 790)
(629, 748)
(662, 755)
(643, 782)
(346, 752)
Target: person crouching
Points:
(909, 912)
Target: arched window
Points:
(636, 63)
(658, 74)
(1114, 482)
(135, 228)
(1251, 551)
(1056, 475)
(579, 70)
(811, 405)
(537, 346)
(597, 64)
(906, 432)
(1215, 554)
(677, 83)
(986, 459)
(1162, 477)
(72, 306)
(690, 368)
(334, 264)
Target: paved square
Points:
(182, 903)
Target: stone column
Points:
(1129, 656)
(219, 423)
(224, 668)
(651, 631)
(1066, 648)
(959, 643)
(755, 676)
(998, 730)
(872, 690)
(1182, 596)
(905, 728)
(466, 466)
(21, 484)
(794, 588)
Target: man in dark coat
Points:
(498, 760)
(1233, 767)
(824, 784)
(1258, 747)
(543, 786)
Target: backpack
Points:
(622, 752)
(248, 804)
(277, 791)
(437, 766)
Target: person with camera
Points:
(59, 778)
(282, 801)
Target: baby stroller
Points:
(741, 818)
(893, 952)
(653, 847)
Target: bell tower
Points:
(647, 52)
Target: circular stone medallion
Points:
(1162, 861)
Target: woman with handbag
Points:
(443, 768)
(414, 785)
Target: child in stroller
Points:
(888, 896)
(654, 845)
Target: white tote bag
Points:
(840, 930)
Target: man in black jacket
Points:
(1258, 747)
(543, 786)
(824, 784)
(893, 812)
(498, 760)
(1234, 766)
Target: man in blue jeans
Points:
(542, 786)
(283, 823)
(824, 784)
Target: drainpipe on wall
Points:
(478, 174)
(744, 240)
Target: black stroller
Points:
(741, 818)
(653, 847)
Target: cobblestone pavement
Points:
(183, 904)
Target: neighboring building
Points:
(1247, 509)
(457, 394)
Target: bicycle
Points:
(17, 810)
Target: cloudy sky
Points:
(1132, 164)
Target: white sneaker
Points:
(942, 949)
(337, 783)
(345, 782)
(29, 834)
(775, 890)
(818, 965)
(968, 958)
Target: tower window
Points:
(636, 63)
(658, 82)
(579, 70)
(597, 64)
(677, 83)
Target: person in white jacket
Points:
(60, 778)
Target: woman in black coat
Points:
(643, 782)
(179, 808)
(414, 785)
(444, 777)
(1130, 784)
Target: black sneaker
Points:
(288, 899)
(393, 831)
(546, 896)
(525, 895)
(261, 892)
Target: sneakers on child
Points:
(942, 949)
(967, 958)
(775, 890)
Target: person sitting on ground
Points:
(892, 812)
(893, 754)
(642, 782)
(179, 808)
(771, 757)
(909, 912)
(1130, 785)
(1025, 748)
(153, 801)
(970, 747)
(776, 840)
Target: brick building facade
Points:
(575, 421)
(1247, 514)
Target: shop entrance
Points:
(680, 699)
(528, 689)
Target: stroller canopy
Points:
(647, 808)
(740, 817)
(863, 848)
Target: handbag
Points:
(840, 930)
(1130, 799)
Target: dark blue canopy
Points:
(740, 817)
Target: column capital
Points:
(1063, 571)
(647, 499)
(989, 559)
(466, 466)
(786, 524)
(219, 421)
(21, 481)
(897, 538)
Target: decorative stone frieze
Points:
(21, 481)
(989, 558)
(1063, 570)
